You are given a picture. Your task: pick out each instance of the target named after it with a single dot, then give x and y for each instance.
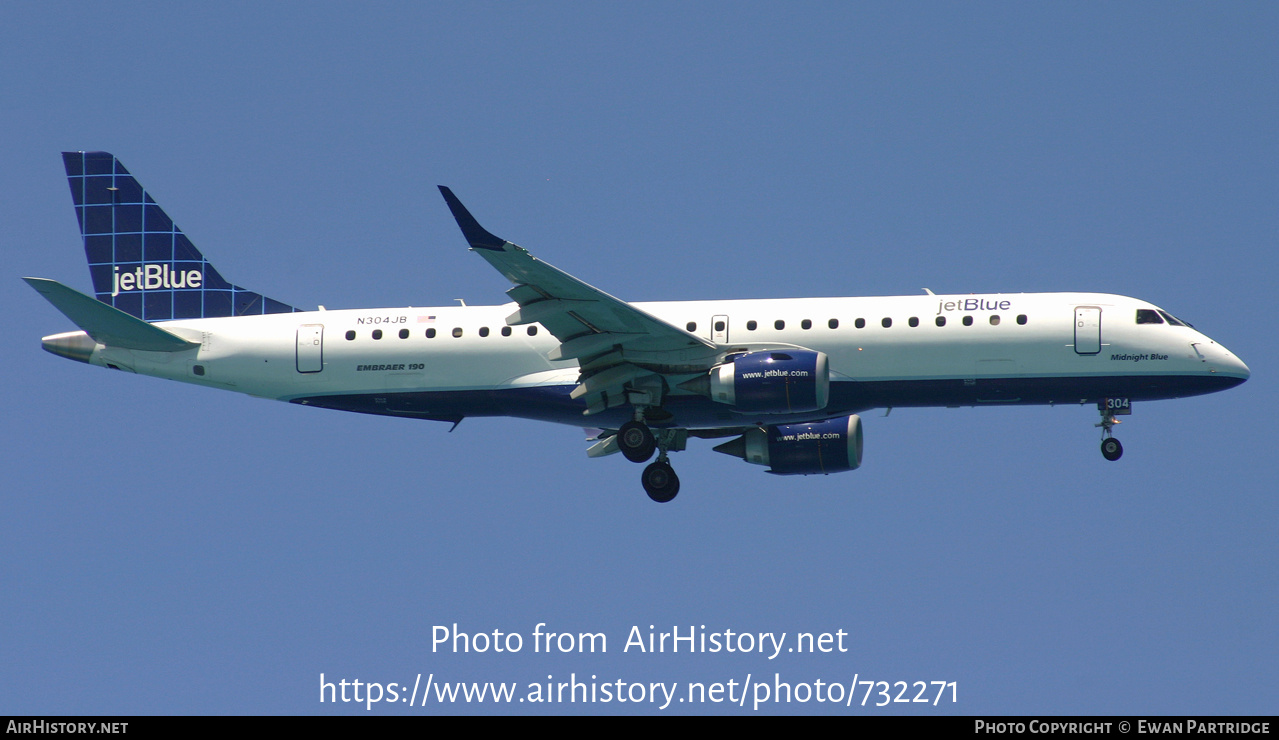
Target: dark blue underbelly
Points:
(552, 403)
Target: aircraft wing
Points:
(616, 344)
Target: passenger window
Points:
(1146, 316)
(860, 323)
(532, 331)
(779, 325)
(887, 322)
(457, 331)
(484, 331)
(968, 321)
(719, 326)
(833, 323)
(404, 333)
(350, 335)
(377, 333)
(430, 334)
(506, 331)
(806, 324)
(691, 326)
(941, 321)
(1021, 319)
(750, 325)
(914, 321)
(994, 319)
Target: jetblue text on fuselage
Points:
(154, 277)
(973, 304)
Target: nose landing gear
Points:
(1111, 449)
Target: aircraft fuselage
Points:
(454, 361)
(785, 378)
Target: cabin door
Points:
(310, 348)
(1087, 330)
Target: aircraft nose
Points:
(1238, 368)
(1230, 365)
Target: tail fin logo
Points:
(154, 277)
(140, 261)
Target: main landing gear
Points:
(1109, 408)
(637, 443)
(660, 482)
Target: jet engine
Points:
(813, 448)
(773, 382)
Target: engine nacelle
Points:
(773, 382)
(815, 448)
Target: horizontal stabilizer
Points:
(107, 325)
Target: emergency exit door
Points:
(719, 329)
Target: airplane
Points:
(783, 381)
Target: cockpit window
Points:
(1147, 316)
(1172, 319)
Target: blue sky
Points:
(173, 549)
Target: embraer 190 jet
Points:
(781, 381)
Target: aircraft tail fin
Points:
(107, 325)
(141, 262)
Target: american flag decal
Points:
(425, 319)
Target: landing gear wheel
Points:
(636, 441)
(660, 482)
(1111, 449)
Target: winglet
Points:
(475, 234)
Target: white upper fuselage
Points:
(362, 352)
